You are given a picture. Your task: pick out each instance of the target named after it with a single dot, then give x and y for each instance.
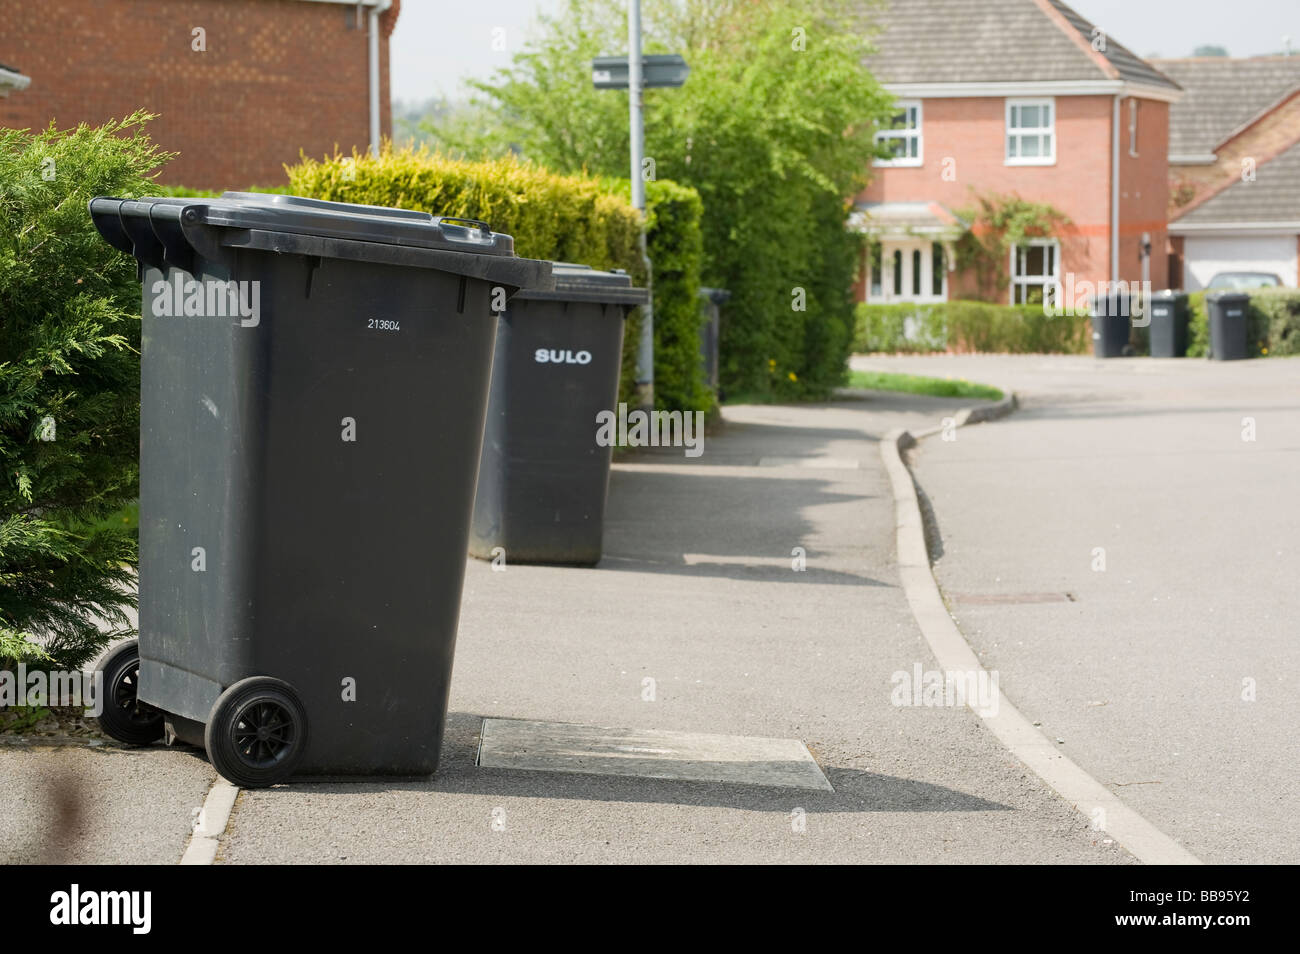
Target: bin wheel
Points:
(257, 732)
(124, 717)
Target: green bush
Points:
(967, 326)
(1198, 326)
(676, 248)
(1276, 321)
(69, 391)
(563, 218)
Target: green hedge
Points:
(965, 326)
(676, 247)
(563, 218)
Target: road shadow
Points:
(742, 527)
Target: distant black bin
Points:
(1111, 324)
(711, 302)
(308, 449)
(544, 477)
(1227, 318)
(1168, 329)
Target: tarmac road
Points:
(1171, 674)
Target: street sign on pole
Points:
(635, 73)
(612, 72)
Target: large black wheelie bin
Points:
(314, 377)
(1228, 314)
(544, 475)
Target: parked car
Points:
(1243, 281)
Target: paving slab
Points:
(648, 753)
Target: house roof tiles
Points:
(995, 41)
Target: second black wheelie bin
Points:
(1168, 332)
(313, 385)
(544, 475)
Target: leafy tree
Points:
(69, 391)
(775, 130)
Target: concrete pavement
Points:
(696, 621)
(1128, 563)
(81, 803)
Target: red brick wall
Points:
(1144, 191)
(972, 131)
(277, 77)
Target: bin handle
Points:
(482, 226)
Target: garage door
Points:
(1206, 256)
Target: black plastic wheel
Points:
(123, 716)
(257, 732)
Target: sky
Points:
(438, 43)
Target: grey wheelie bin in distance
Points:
(1111, 324)
(314, 377)
(1228, 314)
(1168, 329)
(543, 479)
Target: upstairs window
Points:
(904, 139)
(1031, 132)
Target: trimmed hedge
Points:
(675, 244)
(563, 218)
(967, 326)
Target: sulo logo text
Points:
(551, 356)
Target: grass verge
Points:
(916, 384)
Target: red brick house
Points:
(1234, 169)
(1019, 97)
(240, 86)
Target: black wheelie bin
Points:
(314, 377)
(544, 476)
(1229, 325)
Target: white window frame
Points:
(905, 134)
(1020, 135)
(1048, 279)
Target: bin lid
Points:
(1168, 294)
(166, 230)
(584, 283)
(361, 223)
